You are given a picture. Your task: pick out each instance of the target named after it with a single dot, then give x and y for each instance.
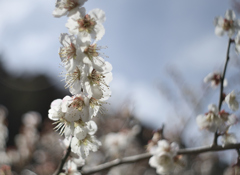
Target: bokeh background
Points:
(160, 52)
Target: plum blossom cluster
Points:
(86, 74)
(165, 158)
(217, 120)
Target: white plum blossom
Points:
(233, 170)
(232, 99)
(84, 146)
(90, 55)
(56, 114)
(87, 26)
(115, 143)
(71, 168)
(67, 7)
(75, 79)
(165, 158)
(163, 163)
(227, 120)
(31, 119)
(82, 129)
(228, 138)
(229, 24)
(211, 120)
(215, 120)
(97, 83)
(214, 79)
(68, 53)
(75, 108)
(95, 106)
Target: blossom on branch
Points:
(232, 99)
(229, 24)
(214, 79)
(70, 168)
(215, 121)
(228, 138)
(84, 146)
(165, 158)
(210, 120)
(87, 26)
(67, 7)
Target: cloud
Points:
(203, 54)
(14, 11)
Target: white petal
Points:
(219, 31)
(230, 15)
(92, 127)
(98, 31)
(59, 12)
(80, 132)
(98, 15)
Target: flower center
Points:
(94, 102)
(164, 160)
(68, 52)
(211, 116)
(77, 103)
(96, 78)
(227, 24)
(216, 78)
(79, 123)
(91, 51)
(68, 4)
(86, 24)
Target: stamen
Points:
(68, 52)
(227, 24)
(92, 52)
(86, 24)
(71, 78)
(69, 4)
(78, 103)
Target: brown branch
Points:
(64, 159)
(221, 86)
(105, 166)
(133, 159)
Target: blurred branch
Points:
(105, 166)
(64, 159)
(133, 159)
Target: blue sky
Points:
(143, 39)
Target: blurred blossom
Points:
(165, 158)
(31, 119)
(5, 170)
(115, 143)
(229, 24)
(214, 79)
(234, 170)
(156, 137)
(232, 99)
(229, 138)
(27, 172)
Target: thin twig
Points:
(221, 86)
(134, 159)
(64, 159)
(223, 75)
